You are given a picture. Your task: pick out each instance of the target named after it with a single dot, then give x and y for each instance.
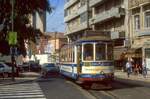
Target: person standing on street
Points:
(144, 69)
(128, 67)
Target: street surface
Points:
(122, 91)
(59, 88)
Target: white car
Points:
(5, 70)
(49, 69)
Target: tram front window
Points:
(88, 52)
(100, 52)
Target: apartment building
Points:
(98, 15)
(139, 28)
(38, 20)
(76, 18)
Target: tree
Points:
(22, 10)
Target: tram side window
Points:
(88, 52)
(110, 51)
(100, 52)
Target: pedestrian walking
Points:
(128, 67)
(144, 69)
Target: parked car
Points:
(15, 67)
(6, 70)
(35, 67)
(24, 67)
(49, 69)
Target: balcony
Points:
(134, 3)
(94, 2)
(117, 35)
(76, 28)
(70, 3)
(76, 13)
(114, 12)
(145, 32)
(71, 16)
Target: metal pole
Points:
(88, 8)
(12, 11)
(12, 47)
(55, 46)
(55, 41)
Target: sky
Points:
(55, 20)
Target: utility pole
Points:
(12, 47)
(55, 40)
(55, 45)
(88, 11)
(87, 20)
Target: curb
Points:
(16, 82)
(133, 82)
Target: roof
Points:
(55, 34)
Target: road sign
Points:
(12, 38)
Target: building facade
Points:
(38, 21)
(139, 28)
(98, 15)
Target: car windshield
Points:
(1, 66)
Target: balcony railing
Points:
(94, 2)
(71, 16)
(76, 28)
(76, 13)
(134, 3)
(70, 3)
(114, 12)
(117, 35)
(145, 32)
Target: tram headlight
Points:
(102, 73)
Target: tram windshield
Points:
(97, 51)
(100, 51)
(88, 52)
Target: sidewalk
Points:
(133, 79)
(24, 77)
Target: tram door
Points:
(79, 59)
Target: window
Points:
(83, 2)
(66, 13)
(119, 42)
(147, 19)
(83, 17)
(1, 66)
(137, 22)
(88, 52)
(100, 51)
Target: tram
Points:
(88, 60)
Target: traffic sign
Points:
(12, 38)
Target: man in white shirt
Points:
(128, 68)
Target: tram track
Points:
(103, 94)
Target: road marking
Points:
(21, 91)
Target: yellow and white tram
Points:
(88, 60)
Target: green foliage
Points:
(22, 10)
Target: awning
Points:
(137, 46)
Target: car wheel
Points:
(5, 75)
